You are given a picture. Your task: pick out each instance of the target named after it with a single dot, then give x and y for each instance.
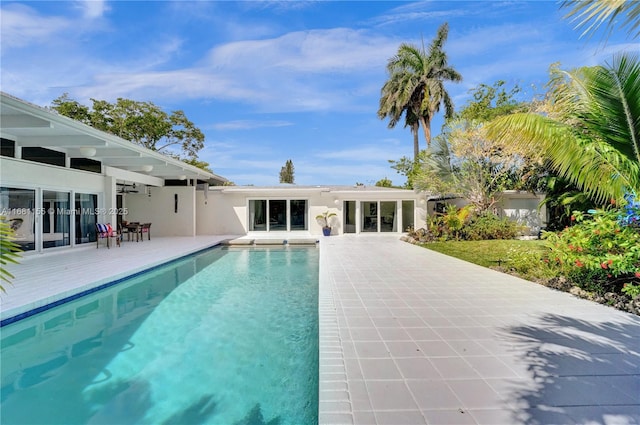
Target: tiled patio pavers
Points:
(409, 336)
(426, 338)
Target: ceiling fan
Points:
(127, 188)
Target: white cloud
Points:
(318, 70)
(92, 9)
(337, 50)
(364, 153)
(23, 26)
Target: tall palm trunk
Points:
(426, 127)
(416, 141)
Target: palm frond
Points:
(615, 111)
(593, 14)
(593, 165)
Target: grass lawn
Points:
(484, 253)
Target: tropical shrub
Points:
(490, 226)
(600, 252)
(530, 264)
(450, 224)
(9, 251)
(463, 224)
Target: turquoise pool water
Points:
(227, 336)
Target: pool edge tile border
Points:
(48, 304)
(332, 410)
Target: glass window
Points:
(388, 221)
(257, 214)
(17, 207)
(298, 214)
(7, 147)
(369, 213)
(280, 214)
(408, 214)
(277, 214)
(86, 164)
(44, 155)
(85, 222)
(56, 219)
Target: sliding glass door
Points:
(408, 215)
(350, 216)
(85, 224)
(278, 215)
(369, 216)
(381, 216)
(298, 214)
(388, 216)
(257, 214)
(56, 219)
(18, 209)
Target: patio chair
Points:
(123, 229)
(145, 228)
(105, 231)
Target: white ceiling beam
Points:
(61, 141)
(112, 153)
(130, 161)
(23, 121)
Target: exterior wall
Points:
(220, 214)
(28, 174)
(225, 212)
(159, 210)
(523, 207)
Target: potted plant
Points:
(324, 220)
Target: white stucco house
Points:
(59, 177)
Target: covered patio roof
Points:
(30, 125)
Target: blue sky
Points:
(271, 81)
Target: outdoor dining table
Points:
(139, 229)
(133, 228)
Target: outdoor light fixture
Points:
(182, 177)
(147, 168)
(88, 151)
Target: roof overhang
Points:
(33, 126)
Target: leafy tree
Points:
(590, 130)
(143, 123)
(286, 173)
(431, 172)
(592, 14)
(203, 165)
(490, 102)
(465, 162)
(415, 87)
(385, 182)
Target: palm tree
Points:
(392, 107)
(416, 86)
(591, 134)
(593, 13)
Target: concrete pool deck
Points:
(410, 336)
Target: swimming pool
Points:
(226, 336)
